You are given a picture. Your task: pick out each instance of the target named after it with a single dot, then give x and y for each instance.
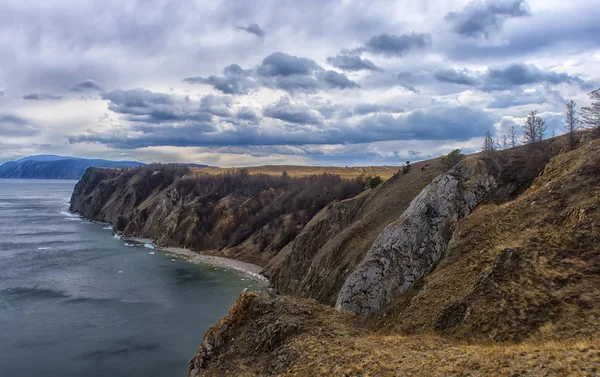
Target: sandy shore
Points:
(228, 263)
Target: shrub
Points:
(453, 158)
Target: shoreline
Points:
(250, 269)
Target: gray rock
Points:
(410, 247)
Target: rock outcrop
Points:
(316, 264)
(409, 248)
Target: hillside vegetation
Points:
(516, 292)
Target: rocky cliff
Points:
(332, 244)
(411, 246)
(246, 216)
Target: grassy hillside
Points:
(384, 172)
(516, 293)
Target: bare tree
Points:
(488, 143)
(504, 142)
(513, 136)
(571, 122)
(534, 128)
(540, 129)
(590, 115)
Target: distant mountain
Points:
(56, 167)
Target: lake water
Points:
(74, 301)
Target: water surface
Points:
(74, 301)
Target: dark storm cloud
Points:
(480, 18)
(304, 127)
(437, 123)
(338, 80)
(454, 76)
(40, 97)
(288, 112)
(280, 64)
(351, 62)
(140, 105)
(277, 71)
(14, 126)
(516, 75)
(510, 77)
(393, 45)
(253, 29)
(246, 113)
(235, 80)
(216, 105)
(87, 85)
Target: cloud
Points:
(40, 97)
(516, 75)
(87, 85)
(288, 112)
(350, 62)
(246, 113)
(481, 18)
(277, 71)
(14, 126)
(406, 79)
(454, 76)
(370, 108)
(140, 105)
(338, 80)
(235, 80)
(280, 64)
(253, 29)
(303, 126)
(396, 46)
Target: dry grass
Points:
(384, 172)
(327, 343)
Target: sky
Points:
(306, 82)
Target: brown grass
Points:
(384, 172)
(327, 343)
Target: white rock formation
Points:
(410, 247)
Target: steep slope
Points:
(56, 167)
(240, 215)
(528, 268)
(522, 266)
(316, 264)
(283, 336)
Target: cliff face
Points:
(317, 262)
(410, 247)
(240, 215)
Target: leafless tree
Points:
(590, 115)
(488, 143)
(534, 128)
(572, 123)
(513, 136)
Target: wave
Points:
(123, 349)
(34, 292)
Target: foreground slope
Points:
(523, 266)
(284, 336)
